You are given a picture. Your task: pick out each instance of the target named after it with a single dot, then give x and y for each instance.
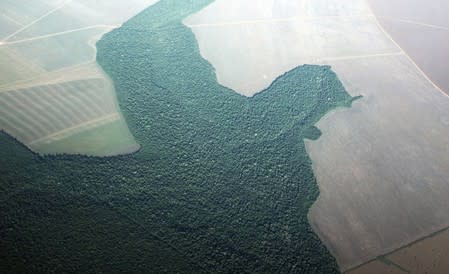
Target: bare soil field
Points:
(51, 89)
(382, 165)
(421, 28)
(278, 46)
(267, 38)
(429, 255)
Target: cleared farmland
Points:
(79, 44)
(428, 255)
(51, 90)
(20, 13)
(17, 67)
(422, 30)
(388, 153)
(41, 115)
(78, 14)
(268, 38)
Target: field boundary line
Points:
(274, 20)
(56, 74)
(379, 25)
(100, 120)
(36, 20)
(57, 81)
(388, 262)
(12, 20)
(59, 33)
(351, 57)
(433, 234)
(412, 22)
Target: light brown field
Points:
(429, 255)
(422, 30)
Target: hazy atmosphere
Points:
(191, 136)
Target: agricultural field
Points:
(266, 44)
(16, 14)
(428, 255)
(54, 116)
(18, 67)
(425, 256)
(382, 165)
(54, 98)
(422, 30)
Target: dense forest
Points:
(222, 182)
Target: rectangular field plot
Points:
(419, 11)
(61, 51)
(232, 11)
(70, 74)
(83, 14)
(428, 255)
(103, 137)
(422, 30)
(24, 12)
(42, 111)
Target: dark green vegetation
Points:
(222, 183)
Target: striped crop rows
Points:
(33, 113)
